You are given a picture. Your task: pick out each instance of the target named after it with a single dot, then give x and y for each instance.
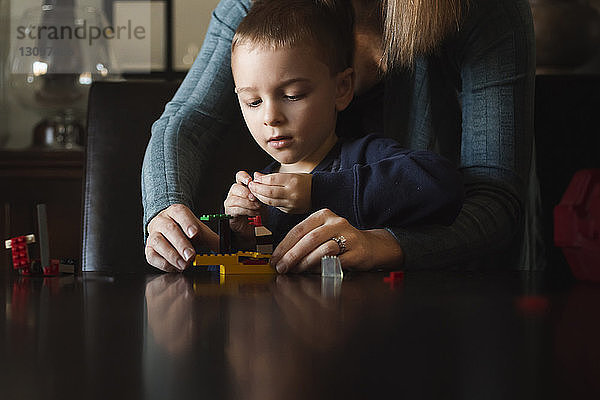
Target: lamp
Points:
(58, 50)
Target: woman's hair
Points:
(325, 25)
(417, 27)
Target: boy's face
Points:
(289, 100)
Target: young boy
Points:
(292, 67)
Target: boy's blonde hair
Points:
(325, 25)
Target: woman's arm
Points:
(495, 55)
(194, 120)
(178, 153)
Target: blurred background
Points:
(567, 34)
(175, 29)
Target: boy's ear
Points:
(344, 89)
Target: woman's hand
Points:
(241, 204)
(170, 233)
(289, 192)
(305, 245)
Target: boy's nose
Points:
(272, 116)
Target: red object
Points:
(577, 225)
(52, 269)
(532, 305)
(260, 261)
(48, 270)
(395, 277)
(20, 255)
(22, 262)
(255, 221)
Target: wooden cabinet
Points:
(32, 177)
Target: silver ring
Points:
(341, 242)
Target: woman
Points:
(453, 76)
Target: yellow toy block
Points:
(231, 264)
(241, 269)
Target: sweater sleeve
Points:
(381, 184)
(495, 55)
(195, 120)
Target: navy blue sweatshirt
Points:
(375, 183)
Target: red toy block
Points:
(52, 269)
(577, 225)
(255, 221)
(20, 254)
(262, 261)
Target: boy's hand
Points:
(241, 204)
(289, 192)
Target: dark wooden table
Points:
(444, 335)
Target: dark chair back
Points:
(120, 115)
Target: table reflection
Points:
(276, 329)
(437, 335)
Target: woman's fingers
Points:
(185, 218)
(168, 245)
(165, 249)
(313, 259)
(157, 261)
(305, 237)
(306, 243)
(296, 233)
(194, 229)
(310, 246)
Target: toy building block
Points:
(255, 221)
(43, 235)
(52, 268)
(331, 267)
(242, 262)
(67, 266)
(264, 237)
(224, 236)
(27, 238)
(223, 228)
(577, 225)
(213, 217)
(20, 254)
